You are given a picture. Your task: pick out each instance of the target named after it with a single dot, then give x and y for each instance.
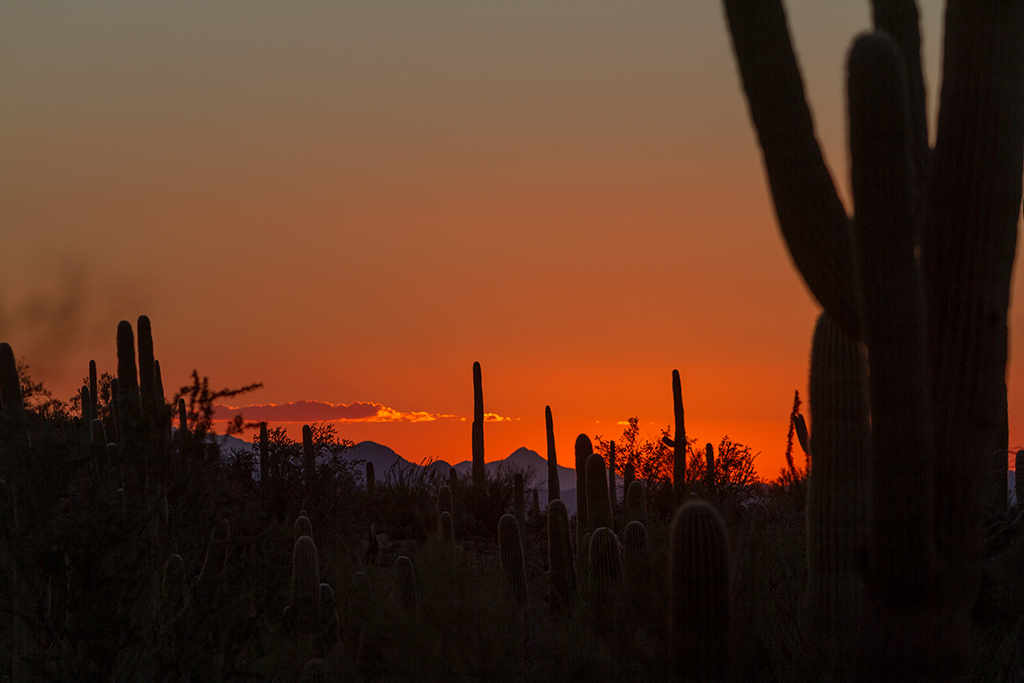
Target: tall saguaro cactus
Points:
(584, 449)
(554, 492)
(930, 282)
(678, 440)
(837, 497)
(479, 471)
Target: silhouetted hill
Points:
(386, 460)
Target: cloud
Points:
(322, 411)
(494, 417)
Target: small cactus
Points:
(612, 493)
(561, 573)
(405, 583)
(634, 550)
(447, 528)
(599, 506)
(636, 502)
(583, 451)
(513, 561)
(444, 500)
(302, 527)
(371, 482)
(709, 471)
(605, 559)
(264, 455)
(360, 600)
(173, 583)
(303, 612)
(330, 621)
(699, 593)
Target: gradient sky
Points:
(352, 202)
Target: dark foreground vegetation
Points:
(137, 552)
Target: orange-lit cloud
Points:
(323, 411)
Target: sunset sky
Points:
(352, 202)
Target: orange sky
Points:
(354, 203)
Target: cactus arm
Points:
(903, 547)
(968, 242)
(811, 216)
(899, 19)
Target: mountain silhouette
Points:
(386, 460)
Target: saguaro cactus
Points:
(605, 560)
(599, 506)
(554, 491)
(303, 612)
(634, 551)
(936, 239)
(371, 481)
(308, 464)
(636, 502)
(479, 470)
(678, 440)
(405, 582)
(583, 450)
(699, 593)
(510, 555)
(444, 500)
(709, 469)
(562, 572)
(612, 496)
(264, 455)
(837, 497)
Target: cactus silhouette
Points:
(678, 442)
(926, 287)
(444, 500)
(710, 475)
(512, 559)
(605, 560)
(405, 582)
(371, 482)
(583, 450)
(562, 572)
(801, 433)
(636, 502)
(479, 471)
(303, 611)
(302, 527)
(308, 464)
(330, 620)
(699, 593)
(634, 551)
(599, 506)
(447, 527)
(837, 496)
(554, 490)
(612, 497)
(264, 455)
